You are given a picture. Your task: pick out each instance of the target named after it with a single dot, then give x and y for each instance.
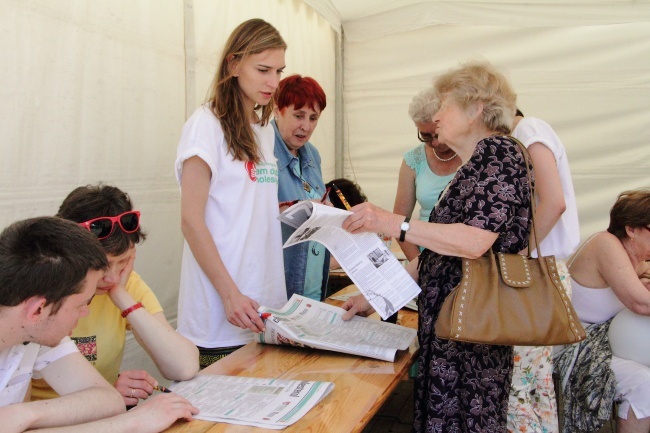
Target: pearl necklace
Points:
(441, 159)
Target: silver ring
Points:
(132, 393)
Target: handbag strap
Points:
(533, 200)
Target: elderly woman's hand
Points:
(367, 217)
(356, 305)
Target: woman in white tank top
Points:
(605, 279)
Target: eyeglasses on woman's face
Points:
(425, 137)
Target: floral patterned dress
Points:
(532, 406)
(463, 387)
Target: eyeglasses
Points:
(424, 137)
(102, 227)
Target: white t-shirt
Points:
(19, 363)
(564, 237)
(241, 214)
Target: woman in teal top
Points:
(426, 170)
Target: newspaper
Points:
(411, 305)
(268, 403)
(305, 322)
(378, 275)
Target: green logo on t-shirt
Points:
(266, 172)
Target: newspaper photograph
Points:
(371, 266)
(304, 322)
(258, 402)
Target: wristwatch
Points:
(405, 226)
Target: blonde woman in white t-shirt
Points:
(232, 259)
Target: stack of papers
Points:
(305, 322)
(268, 403)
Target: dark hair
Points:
(351, 191)
(300, 91)
(632, 209)
(519, 113)
(48, 257)
(93, 201)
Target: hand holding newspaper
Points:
(305, 322)
(378, 275)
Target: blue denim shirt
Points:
(290, 187)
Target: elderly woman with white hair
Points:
(426, 169)
(487, 205)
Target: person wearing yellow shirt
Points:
(49, 274)
(123, 301)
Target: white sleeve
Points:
(47, 355)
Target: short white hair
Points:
(423, 106)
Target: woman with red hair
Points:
(299, 103)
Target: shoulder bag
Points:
(510, 299)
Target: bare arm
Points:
(176, 357)
(85, 396)
(151, 417)
(615, 267)
(603, 262)
(240, 310)
(457, 240)
(548, 189)
(405, 203)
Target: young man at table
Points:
(49, 269)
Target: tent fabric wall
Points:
(587, 74)
(99, 90)
(96, 91)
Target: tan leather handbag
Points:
(510, 299)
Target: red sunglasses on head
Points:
(102, 227)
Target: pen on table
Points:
(341, 196)
(161, 388)
(327, 193)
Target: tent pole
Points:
(190, 58)
(339, 127)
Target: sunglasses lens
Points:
(101, 227)
(130, 222)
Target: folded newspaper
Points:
(304, 322)
(268, 403)
(378, 275)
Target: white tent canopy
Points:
(99, 90)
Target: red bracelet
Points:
(288, 203)
(131, 309)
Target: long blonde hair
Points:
(225, 98)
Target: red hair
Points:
(300, 91)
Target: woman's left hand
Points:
(366, 217)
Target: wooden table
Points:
(362, 385)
